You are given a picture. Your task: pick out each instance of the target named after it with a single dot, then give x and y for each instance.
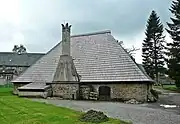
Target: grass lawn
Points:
(168, 87)
(15, 110)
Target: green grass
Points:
(168, 87)
(5, 91)
(15, 110)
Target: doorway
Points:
(104, 93)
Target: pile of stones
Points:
(94, 117)
(132, 101)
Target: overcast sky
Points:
(36, 23)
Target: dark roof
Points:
(7, 71)
(97, 57)
(15, 59)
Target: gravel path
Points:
(138, 114)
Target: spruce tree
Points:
(153, 47)
(173, 48)
(146, 53)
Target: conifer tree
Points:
(153, 47)
(173, 48)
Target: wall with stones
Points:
(84, 92)
(43, 94)
(66, 91)
(126, 91)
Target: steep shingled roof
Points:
(97, 57)
(14, 59)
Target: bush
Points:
(154, 93)
(94, 117)
(177, 84)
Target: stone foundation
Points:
(85, 92)
(65, 91)
(123, 91)
(42, 94)
(129, 91)
(126, 91)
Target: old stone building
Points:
(84, 64)
(13, 64)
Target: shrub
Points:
(154, 93)
(94, 117)
(177, 84)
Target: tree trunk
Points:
(155, 59)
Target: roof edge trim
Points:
(116, 80)
(93, 33)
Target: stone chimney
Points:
(66, 70)
(66, 30)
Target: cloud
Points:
(37, 22)
(136, 41)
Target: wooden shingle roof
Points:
(97, 57)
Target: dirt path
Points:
(138, 114)
(170, 99)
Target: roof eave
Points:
(116, 81)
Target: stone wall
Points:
(126, 91)
(43, 94)
(84, 92)
(66, 91)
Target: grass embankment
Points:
(168, 87)
(15, 110)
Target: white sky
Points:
(136, 41)
(36, 23)
(9, 11)
(10, 14)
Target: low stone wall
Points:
(66, 91)
(43, 94)
(16, 86)
(126, 91)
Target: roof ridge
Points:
(92, 33)
(79, 35)
(21, 53)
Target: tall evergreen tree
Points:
(153, 47)
(173, 53)
(146, 53)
